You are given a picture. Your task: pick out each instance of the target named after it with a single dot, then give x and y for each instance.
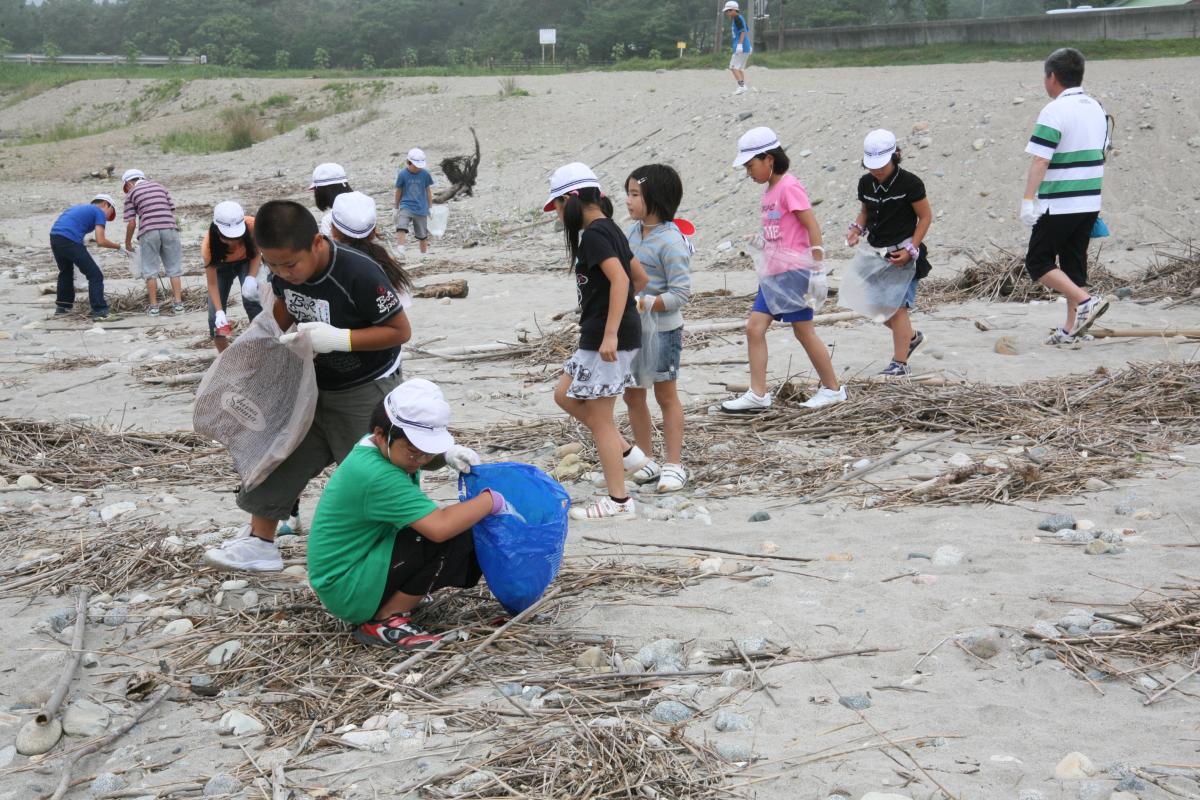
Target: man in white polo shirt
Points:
(1062, 192)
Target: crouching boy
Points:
(378, 544)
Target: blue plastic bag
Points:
(1099, 229)
(519, 551)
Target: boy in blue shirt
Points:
(66, 242)
(739, 35)
(413, 199)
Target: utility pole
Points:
(720, 20)
(780, 47)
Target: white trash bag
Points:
(439, 215)
(645, 363)
(874, 286)
(258, 399)
(790, 280)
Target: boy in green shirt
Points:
(378, 543)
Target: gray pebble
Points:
(729, 721)
(1056, 522)
(663, 655)
(753, 644)
(759, 516)
(733, 751)
(925, 556)
(1076, 617)
(858, 702)
(762, 581)
(982, 642)
(61, 619)
(1131, 783)
(510, 689)
(204, 686)
(830, 168)
(1112, 537)
(1030, 794)
(1074, 536)
(107, 783)
(222, 783)
(1096, 674)
(1124, 292)
(1036, 655)
(1103, 626)
(1096, 485)
(735, 677)
(1094, 790)
(745, 115)
(116, 616)
(671, 712)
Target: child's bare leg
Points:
(639, 417)
(667, 395)
(152, 288)
(568, 404)
(399, 603)
(424, 245)
(263, 527)
(1057, 280)
(609, 444)
(401, 238)
(902, 333)
(756, 350)
(818, 353)
(177, 289)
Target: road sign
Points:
(547, 36)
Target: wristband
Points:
(349, 341)
(497, 501)
(854, 226)
(817, 247)
(914, 252)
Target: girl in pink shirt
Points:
(791, 236)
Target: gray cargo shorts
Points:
(161, 248)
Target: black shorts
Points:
(419, 566)
(1060, 241)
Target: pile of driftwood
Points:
(462, 172)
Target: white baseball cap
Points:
(230, 219)
(878, 148)
(731, 5)
(328, 174)
(106, 198)
(753, 142)
(418, 408)
(354, 214)
(132, 175)
(569, 178)
(416, 157)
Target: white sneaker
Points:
(634, 462)
(740, 90)
(605, 508)
(648, 473)
(825, 397)
(246, 553)
(749, 403)
(1087, 313)
(674, 477)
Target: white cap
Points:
(416, 157)
(106, 198)
(753, 142)
(230, 219)
(354, 214)
(418, 408)
(132, 175)
(731, 5)
(878, 148)
(569, 178)
(327, 175)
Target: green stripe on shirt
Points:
(1051, 188)
(1077, 156)
(1047, 133)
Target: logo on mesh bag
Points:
(244, 410)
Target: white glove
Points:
(220, 320)
(461, 458)
(324, 337)
(1030, 211)
(125, 251)
(250, 288)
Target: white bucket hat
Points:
(878, 148)
(418, 408)
(753, 142)
(132, 175)
(416, 157)
(569, 178)
(328, 174)
(106, 198)
(230, 219)
(731, 5)
(354, 214)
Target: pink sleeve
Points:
(794, 198)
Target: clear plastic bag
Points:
(790, 280)
(258, 399)
(645, 364)
(439, 215)
(873, 286)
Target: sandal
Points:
(673, 478)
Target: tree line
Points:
(282, 34)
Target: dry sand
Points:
(986, 729)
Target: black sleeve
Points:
(862, 188)
(374, 297)
(916, 189)
(595, 248)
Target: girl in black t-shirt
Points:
(895, 217)
(607, 277)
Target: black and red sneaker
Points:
(395, 631)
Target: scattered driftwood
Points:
(50, 710)
(175, 380)
(1144, 333)
(456, 288)
(462, 172)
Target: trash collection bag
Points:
(645, 363)
(520, 550)
(1099, 228)
(874, 286)
(258, 398)
(438, 216)
(790, 280)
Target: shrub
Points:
(321, 58)
(282, 59)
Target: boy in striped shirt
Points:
(150, 211)
(1062, 191)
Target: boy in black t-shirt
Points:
(344, 303)
(895, 217)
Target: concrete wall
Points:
(1174, 22)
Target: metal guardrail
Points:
(73, 58)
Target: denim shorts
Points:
(670, 351)
(910, 297)
(760, 305)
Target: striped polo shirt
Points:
(1071, 132)
(151, 204)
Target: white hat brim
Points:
(232, 231)
(436, 441)
(878, 161)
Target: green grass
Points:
(239, 128)
(61, 132)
